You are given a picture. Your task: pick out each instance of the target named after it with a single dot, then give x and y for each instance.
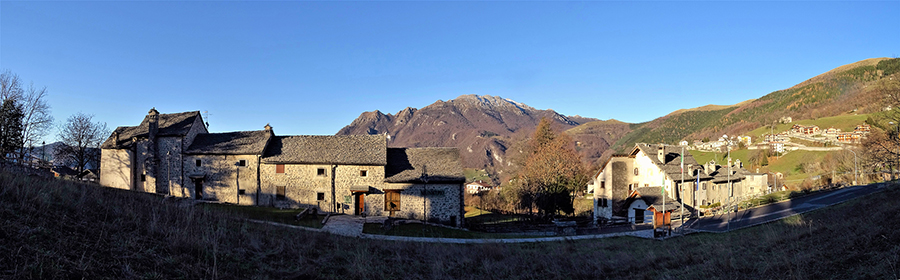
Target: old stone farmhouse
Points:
(174, 154)
(660, 166)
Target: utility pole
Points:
(424, 194)
(681, 193)
(855, 171)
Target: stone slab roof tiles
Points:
(405, 165)
(231, 143)
(315, 149)
(672, 164)
(177, 124)
(653, 197)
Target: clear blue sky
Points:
(313, 67)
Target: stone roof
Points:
(177, 124)
(672, 161)
(312, 149)
(230, 143)
(653, 197)
(406, 165)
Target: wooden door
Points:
(360, 205)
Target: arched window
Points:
(635, 171)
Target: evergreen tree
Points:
(10, 128)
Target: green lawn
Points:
(478, 216)
(476, 175)
(722, 158)
(284, 216)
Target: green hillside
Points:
(833, 93)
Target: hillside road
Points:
(775, 211)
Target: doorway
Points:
(359, 203)
(198, 189)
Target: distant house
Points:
(477, 187)
(65, 172)
(863, 128)
(89, 175)
(802, 129)
(661, 166)
(832, 130)
(849, 137)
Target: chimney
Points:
(115, 138)
(710, 167)
(661, 153)
(268, 128)
(153, 123)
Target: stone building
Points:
(357, 175)
(661, 166)
(148, 157)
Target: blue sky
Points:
(313, 67)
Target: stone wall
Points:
(170, 168)
(116, 168)
(303, 184)
(440, 203)
(224, 179)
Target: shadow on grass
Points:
(420, 230)
(284, 216)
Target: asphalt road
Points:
(775, 211)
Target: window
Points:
(320, 172)
(392, 201)
(143, 177)
(320, 196)
(635, 172)
(603, 202)
(602, 184)
(279, 168)
(243, 162)
(279, 193)
(704, 186)
(363, 173)
(242, 191)
(197, 162)
(646, 185)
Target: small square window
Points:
(197, 162)
(243, 162)
(280, 193)
(143, 177)
(242, 191)
(320, 196)
(279, 168)
(320, 172)
(363, 173)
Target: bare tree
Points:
(36, 117)
(10, 86)
(81, 139)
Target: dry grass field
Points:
(52, 229)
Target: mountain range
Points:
(484, 128)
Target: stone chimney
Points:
(153, 124)
(115, 138)
(153, 150)
(710, 167)
(268, 128)
(661, 153)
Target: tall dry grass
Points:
(57, 229)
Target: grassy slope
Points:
(803, 99)
(52, 229)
